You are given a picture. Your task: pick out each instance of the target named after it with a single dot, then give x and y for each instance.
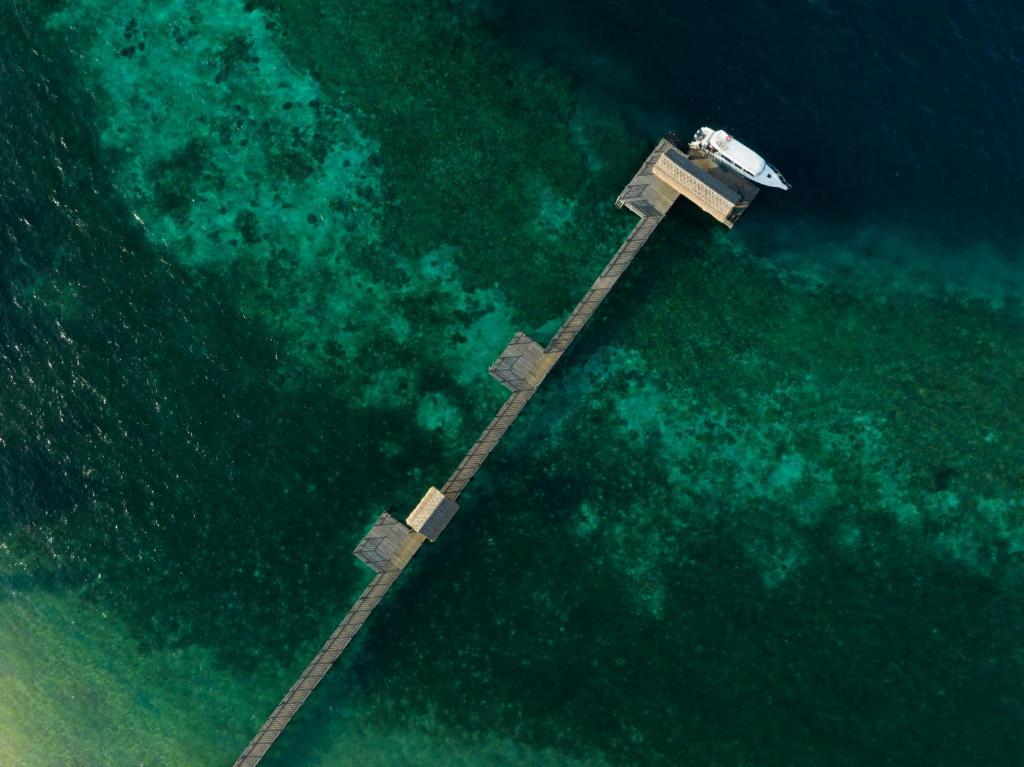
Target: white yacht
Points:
(730, 153)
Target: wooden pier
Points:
(670, 171)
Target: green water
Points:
(257, 260)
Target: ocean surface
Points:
(255, 258)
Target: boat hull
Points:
(738, 157)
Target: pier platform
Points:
(673, 170)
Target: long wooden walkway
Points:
(323, 660)
(390, 544)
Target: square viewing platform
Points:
(672, 171)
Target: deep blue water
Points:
(905, 114)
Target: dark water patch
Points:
(901, 115)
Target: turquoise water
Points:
(256, 259)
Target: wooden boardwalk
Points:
(522, 367)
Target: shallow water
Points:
(257, 258)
